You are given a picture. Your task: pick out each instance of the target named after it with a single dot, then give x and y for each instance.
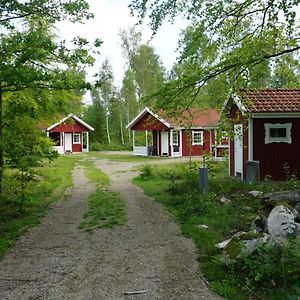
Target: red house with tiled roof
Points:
(70, 134)
(266, 128)
(192, 131)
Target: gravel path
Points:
(56, 260)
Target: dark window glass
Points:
(277, 132)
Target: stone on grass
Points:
(281, 221)
(224, 200)
(291, 197)
(203, 226)
(255, 193)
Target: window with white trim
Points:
(278, 133)
(175, 138)
(197, 137)
(76, 138)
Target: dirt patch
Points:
(56, 260)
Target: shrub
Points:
(147, 171)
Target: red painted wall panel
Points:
(274, 156)
(196, 149)
(77, 148)
(69, 127)
(148, 122)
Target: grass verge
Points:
(106, 209)
(267, 274)
(51, 182)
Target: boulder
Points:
(291, 197)
(281, 221)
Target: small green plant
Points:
(106, 209)
(147, 171)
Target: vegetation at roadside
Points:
(106, 209)
(269, 272)
(17, 214)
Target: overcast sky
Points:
(110, 17)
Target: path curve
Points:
(56, 260)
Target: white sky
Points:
(110, 17)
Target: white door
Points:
(238, 150)
(164, 143)
(68, 142)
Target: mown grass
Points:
(176, 186)
(122, 157)
(15, 217)
(106, 209)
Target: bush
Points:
(96, 146)
(147, 171)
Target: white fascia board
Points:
(82, 122)
(239, 104)
(237, 101)
(276, 115)
(147, 110)
(66, 118)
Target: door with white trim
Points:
(238, 151)
(164, 143)
(68, 142)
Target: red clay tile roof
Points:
(194, 117)
(270, 100)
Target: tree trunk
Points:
(107, 129)
(121, 129)
(1, 142)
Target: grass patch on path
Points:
(106, 208)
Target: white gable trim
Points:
(142, 113)
(75, 118)
(236, 100)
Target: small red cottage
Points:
(266, 128)
(170, 136)
(70, 134)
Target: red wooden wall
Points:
(274, 156)
(196, 149)
(148, 122)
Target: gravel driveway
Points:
(147, 258)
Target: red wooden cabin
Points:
(266, 128)
(192, 131)
(70, 134)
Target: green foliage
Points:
(228, 45)
(114, 146)
(253, 275)
(48, 185)
(146, 171)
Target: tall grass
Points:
(50, 183)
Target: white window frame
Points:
(76, 135)
(287, 139)
(193, 137)
(175, 134)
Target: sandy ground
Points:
(148, 254)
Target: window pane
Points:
(277, 132)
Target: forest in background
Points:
(146, 83)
